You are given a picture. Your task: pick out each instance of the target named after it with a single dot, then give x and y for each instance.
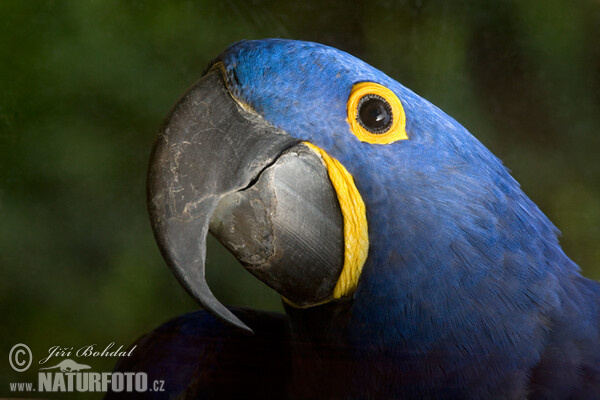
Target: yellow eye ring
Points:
(375, 114)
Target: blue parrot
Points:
(410, 262)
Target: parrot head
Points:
(331, 182)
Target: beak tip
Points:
(202, 294)
(245, 329)
(231, 319)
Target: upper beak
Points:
(262, 193)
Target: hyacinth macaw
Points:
(410, 262)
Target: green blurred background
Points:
(85, 85)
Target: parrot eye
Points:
(375, 114)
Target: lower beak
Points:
(267, 197)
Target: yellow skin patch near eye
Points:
(356, 235)
(396, 131)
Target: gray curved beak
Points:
(262, 193)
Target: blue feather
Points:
(466, 292)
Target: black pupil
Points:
(374, 113)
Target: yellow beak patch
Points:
(356, 235)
